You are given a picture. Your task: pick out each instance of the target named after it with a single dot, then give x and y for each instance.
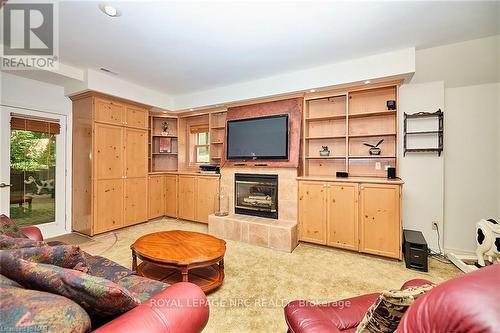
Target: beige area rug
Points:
(260, 281)
(93, 245)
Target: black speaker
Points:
(341, 174)
(415, 250)
(391, 173)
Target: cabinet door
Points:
(342, 225)
(136, 202)
(156, 196)
(136, 117)
(206, 195)
(380, 226)
(108, 203)
(136, 153)
(312, 212)
(187, 185)
(171, 195)
(108, 151)
(109, 112)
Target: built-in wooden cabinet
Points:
(187, 197)
(312, 212)
(380, 227)
(136, 203)
(171, 195)
(110, 163)
(156, 196)
(197, 197)
(342, 220)
(361, 216)
(206, 198)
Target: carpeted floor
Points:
(259, 281)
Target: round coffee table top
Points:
(179, 247)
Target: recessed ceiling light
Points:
(367, 81)
(110, 10)
(191, 109)
(312, 90)
(165, 112)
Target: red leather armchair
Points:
(469, 303)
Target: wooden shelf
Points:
(372, 156)
(173, 154)
(424, 150)
(324, 157)
(216, 143)
(373, 114)
(426, 132)
(325, 137)
(371, 135)
(217, 127)
(323, 118)
(164, 136)
(216, 158)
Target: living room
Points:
(310, 166)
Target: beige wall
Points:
(469, 73)
(471, 162)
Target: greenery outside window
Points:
(201, 146)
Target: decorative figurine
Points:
(324, 151)
(488, 241)
(374, 150)
(164, 126)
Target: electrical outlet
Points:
(435, 225)
(378, 166)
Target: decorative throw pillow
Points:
(66, 256)
(386, 313)
(25, 310)
(9, 228)
(7, 243)
(98, 296)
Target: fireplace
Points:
(256, 195)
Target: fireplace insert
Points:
(256, 195)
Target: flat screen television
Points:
(264, 138)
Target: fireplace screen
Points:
(256, 195)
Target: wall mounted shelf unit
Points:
(439, 133)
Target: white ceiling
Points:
(184, 47)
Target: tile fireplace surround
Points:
(278, 234)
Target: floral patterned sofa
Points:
(181, 307)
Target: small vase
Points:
(324, 153)
(223, 201)
(375, 151)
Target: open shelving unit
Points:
(344, 121)
(217, 123)
(436, 133)
(163, 146)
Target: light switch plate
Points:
(378, 166)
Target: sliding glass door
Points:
(33, 163)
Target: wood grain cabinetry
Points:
(363, 217)
(136, 203)
(342, 221)
(156, 196)
(312, 212)
(187, 197)
(171, 195)
(206, 195)
(110, 163)
(380, 221)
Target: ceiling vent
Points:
(109, 71)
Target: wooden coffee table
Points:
(174, 256)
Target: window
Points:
(201, 146)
